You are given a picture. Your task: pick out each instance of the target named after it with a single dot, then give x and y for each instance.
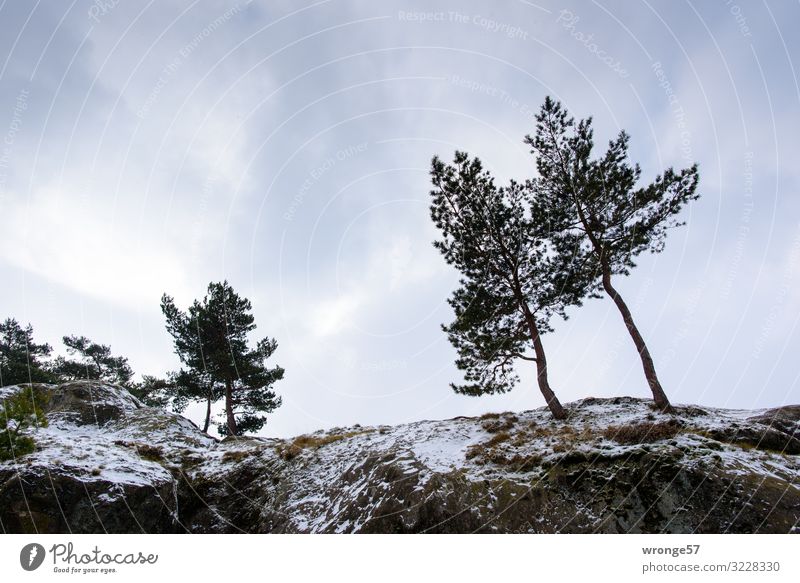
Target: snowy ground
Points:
(330, 472)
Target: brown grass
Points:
(239, 455)
(494, 422)
(291, 450)
(644, 432)
(149, 452)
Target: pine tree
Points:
(22, 359)
(156, 392)
(94, 362)
(211, 340)
(607, 220)
(512, 282)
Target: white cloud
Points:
(79, 246)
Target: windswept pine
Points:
(513, 280)
(91, 361)
(529, 250)
(605, 218)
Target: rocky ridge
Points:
(106, 463)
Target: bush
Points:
(18, 413)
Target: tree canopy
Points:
(211, 340)
(603, 216)
(513, 281)
(22, 360)
(91, 361)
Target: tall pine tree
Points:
(607, 220)
(21, 359)
(512, 283)
(211, 340)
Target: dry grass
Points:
(495, 422)
(482, 449)
(291, 450)
(644, 432)
(239, 455)
(149, 452)
(145, 451)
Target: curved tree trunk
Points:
(659, 396)
(229, 408)
(541, 368)
(208, 414)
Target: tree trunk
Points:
(208, 414)
(229, 408)
(541, 368)
(659, 396)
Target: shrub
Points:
(18, 413)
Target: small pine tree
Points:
(20, 412)
(211, 341)
(94, 362)
(606, 220)
(512, 283)
(21, 359)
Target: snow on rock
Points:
(106, 463)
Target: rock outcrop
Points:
(106, 463)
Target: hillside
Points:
(106, 463)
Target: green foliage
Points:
(156, 392)
(513, 280)
(18, 413)
(211, 340)
(94, 361)
(600, 212)
(601, 216)
(21, 359)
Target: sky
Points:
(285, 146)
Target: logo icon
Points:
(31, 556)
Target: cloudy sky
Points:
(153, 147)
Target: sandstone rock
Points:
(105, 463)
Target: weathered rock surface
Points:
(105, 463)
